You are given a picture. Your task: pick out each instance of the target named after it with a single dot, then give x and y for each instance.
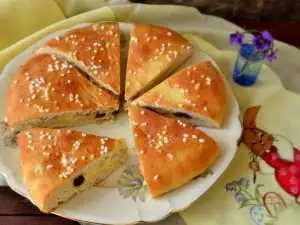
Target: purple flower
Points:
(236, 38)
(260, 43)
(272, 56)
(267, 36)
(244, 182)
(231, 187)
(240, 197)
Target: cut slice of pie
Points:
(49, 92)
(195, 95)
(154, 52)
(95, 49)
(57, 164)
(170, 152)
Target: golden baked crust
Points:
(170, 152)
(197, 91)
(46, 86)
(51, 156)
(95, 49)
(153, 53)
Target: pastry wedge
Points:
(170, 152)
(49, 92)
(195, 95)
(95, 49)
(57, 164)
(154, 52)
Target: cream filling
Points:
(64, 119)
(186, 117)
(92, 173)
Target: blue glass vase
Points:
(248, 65)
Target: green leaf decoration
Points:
(249, 202)
(258, 196)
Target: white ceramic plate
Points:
(114, 201)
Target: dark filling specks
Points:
(182, 115)
(78, 181)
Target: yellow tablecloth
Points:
(274, 126)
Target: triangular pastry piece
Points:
(49, 92)
(170, 152)
(57, 164)
(154, 52)
(195, 95)
(95, 49)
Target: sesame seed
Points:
(74, 161)
(83, 157)
(170, 155)
(155, 38)
(169, 44)
(164, 132)
(205, 108)
(147, 39)
(185, 135)
(197, 86)
(69, 81)
(15, 81)
(194, 136)
(92, 156)
(27, 105)
(142, 112)
(21, 100)
(184, 139)
(155, 177)
(169, 33)
(49, 146)
(83, 134)
(141, 152)
(44, 147)
(180, 105)
(49, 166)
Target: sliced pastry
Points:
(57, 164)
(49, 92)
(195, 95)
(170, 152)
(95, 49)
(154, 52)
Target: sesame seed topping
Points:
(155, 38)
(201, 140)
(194, 136)
(142, 112)
(83, 157)
(180, 105)
(141, 152)
(49, 166)
(184, 139)
(185, 135)
(155, 177)
(170, 155)
(92, 156)
(197, 86)
(169, 33)
(83, 134)
(205, 108)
